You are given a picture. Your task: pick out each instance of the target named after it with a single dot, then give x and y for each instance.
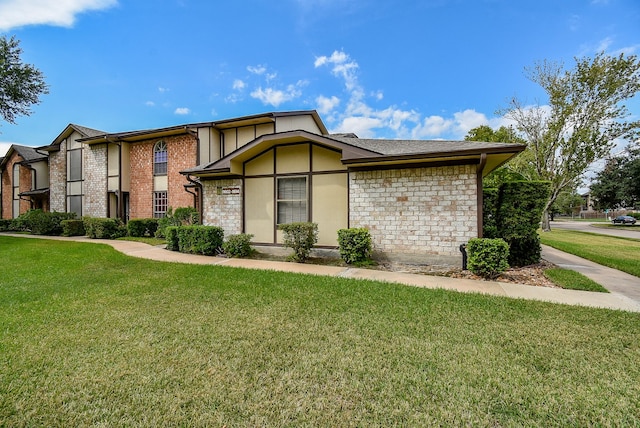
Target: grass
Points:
(618, 253)
(633, 227)
(573, 280)
(147, 240)
(90, 337)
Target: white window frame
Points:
(298, 206)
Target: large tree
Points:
(20, 84)
(584, 116)
(618, 184)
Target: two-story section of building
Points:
(24, 181)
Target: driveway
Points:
(581, 226)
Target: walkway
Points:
(614, 300)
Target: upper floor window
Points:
(160, 158)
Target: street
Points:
(581, 226)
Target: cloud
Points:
(238, 85)
(275, 97)
(182, 111)
(325, 105)
(163, 90)
(341, 66)
(20, 13)
(4, 146)
(258, 69)
(150, 104)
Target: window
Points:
(292, 200)
(16, 190)
(75, 165)
(160, 204)
(160, 158)
(74, 205)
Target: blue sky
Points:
(427, 69)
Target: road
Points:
(621, 231)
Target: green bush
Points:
(238, 245)
(490, 201)
(524, 250)
(355, 244)
(104, 228)
(487, 257)
(183, 216)
(206, 240)
(300, 237)
(39, 222)
(73, 227)
(141, 227)
(6, 225)
(171, 235)
(635, 215)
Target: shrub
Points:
(39, 222)
(73, 227)
(238, 245)
(524, 250)
(490, 213)
(635, 215)
(206, 240)
(5, 225)
(183, 216)
(104, 228)
(171, 235)
(355, 244)
(141, 227)
(300, 237)
(488, 257)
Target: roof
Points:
(143, 134)
(27, 153)
(366, 153)
(68, 130)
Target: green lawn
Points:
(618, 253)
(90, 337)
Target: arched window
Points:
(160, 158)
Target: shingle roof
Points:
(29, 154)
(88, 132)
(410, 147)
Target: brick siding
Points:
(58, 179)
(223, 210)
(7, 187)
(95, 180)
(418, 211)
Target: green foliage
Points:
(618, 184)
(104, 228)
(238, 245)
(171, 235)
(513, 213)
(572, 280)
(584, 114)
(206, 240)
(20, 84)
(73, 227)
(142, 227)
(182, 216)
(568, 202)
(39, 222)
(635, 215)
(6, 225)
(488, 257)
(300, 237)
(355, 245)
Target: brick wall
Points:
(181, 152)
(95, 180)
(224, 210)
(7, 186)
(58, 179)
(419, 212)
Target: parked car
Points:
(624, 219)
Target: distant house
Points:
(417, 198)
(25, 181)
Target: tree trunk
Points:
(544, 222)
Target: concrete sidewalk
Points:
(614, 300)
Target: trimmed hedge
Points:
(183, 216)
(104, 228)
(141, 227)
(238, 245)
(171, 235)
(300, 237)
(73, 227)
(6, 225)
(39, 222)
(514, 215)
(488, 258)
(206, 240)
(355, 244)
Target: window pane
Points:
(75, 165)
(292, 200)
(160, 204)
(160, 158)
(75, 205)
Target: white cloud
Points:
(361, 126)
(163, 90)
(4, 146)
(342, 66)
(19, 13)
(239, 85)
(258, 69)
(432, 127)
(182, 111)
(150, 104)
(275, 97)
(326, 105)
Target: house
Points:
(24, 181)
(419, 199)
(136, 174)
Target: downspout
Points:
(198, 185)
(479, 196)
(34, 182)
